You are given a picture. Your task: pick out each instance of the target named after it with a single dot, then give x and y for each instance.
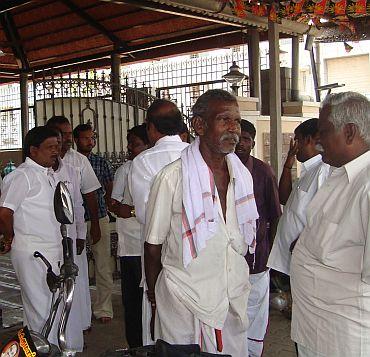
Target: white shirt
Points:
(293, 220)
(217, 278)
(128, 229)
(89, 181)
(70, 176)
(146, 165)
(330, 269)
(29, 192)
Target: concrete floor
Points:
(111, 336)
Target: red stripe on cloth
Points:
(218, 334)
(188, 234)
(244, 199)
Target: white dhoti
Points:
(146, 316)
(36, 296)
(82, 283)
(176, 324)
(306, 352)
(258, 312)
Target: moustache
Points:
(230, 136)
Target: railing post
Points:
(24, 104)
(116, 76)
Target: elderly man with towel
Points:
(200, 222)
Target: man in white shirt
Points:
(129, 241)
(29, 224)
(80, 315)
(200, 222)
(313, 173)
(89, 181)
(164, 122)
(89, 185)
(330, 268)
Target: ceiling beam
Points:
(162, 7)
(224, 31)
(13, 38)
(117, 42)
(6, 5)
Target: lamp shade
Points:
(234, 76)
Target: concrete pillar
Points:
(254, 64)
(295, 68)
(275, 99)
(24, 104)
(116, 76)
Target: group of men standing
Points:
(29, 224)
(196, 224)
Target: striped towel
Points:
(200, 202)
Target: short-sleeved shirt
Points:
(292, 222)
(268, 206)
(330, 268)
(128, 229)
(70, 176)
(104, 172)
(217, 279)
(146, 165)
(89, 181)
(29, 192)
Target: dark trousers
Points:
(132, 296)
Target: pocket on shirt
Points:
(321, 238)
(299, 203)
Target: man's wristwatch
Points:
(132, 212)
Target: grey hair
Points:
(201, 106)
(349, 107)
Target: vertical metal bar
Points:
(61, 91)
(96, 86)
(120, 126)
(275, 99)
(44, 99)
(52, 91)
(34, 98)
(314, 75)
(71, 90)
(127, 106)
(295, 69)
(254, 65)
(136, 105)
(79, 97)
(113, 126)
(105, 127)
(24, 104)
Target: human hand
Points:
(293, 149)
(95, 233)
(5, 245)
(80, 246)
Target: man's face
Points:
(135, 146)
(333, 142)
(86, 141)
(302, 147)
(221, 128)
(47, 154)
(245, 145)
(66, 131)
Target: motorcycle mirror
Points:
(63, 206)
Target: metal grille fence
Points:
(10, 115)
(180, 79)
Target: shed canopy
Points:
(36, 35)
